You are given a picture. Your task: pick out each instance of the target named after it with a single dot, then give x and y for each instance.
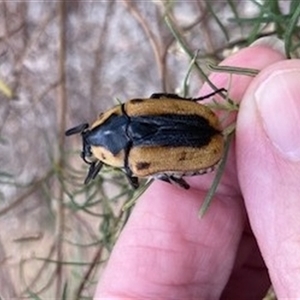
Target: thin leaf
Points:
(290, 30)
(65, 292)
(222, 27)
(219, 172)
(5, 90)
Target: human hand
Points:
(166, 252)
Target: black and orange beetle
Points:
(164, 136)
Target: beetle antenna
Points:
(219, 91)
(78, 129)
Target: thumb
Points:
(268, 161)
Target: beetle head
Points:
(86, 153)
(83, 130)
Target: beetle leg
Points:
(164, 178)
(134, 182)
(94, 169)
(180, 182)
(82, 155)
(175, 180)
(176, 97)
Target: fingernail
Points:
(278, 102)
(271, 42)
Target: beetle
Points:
(165, 136)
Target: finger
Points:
(249, 278)
(165, 251)
(268, 158)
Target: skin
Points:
(250, 235)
